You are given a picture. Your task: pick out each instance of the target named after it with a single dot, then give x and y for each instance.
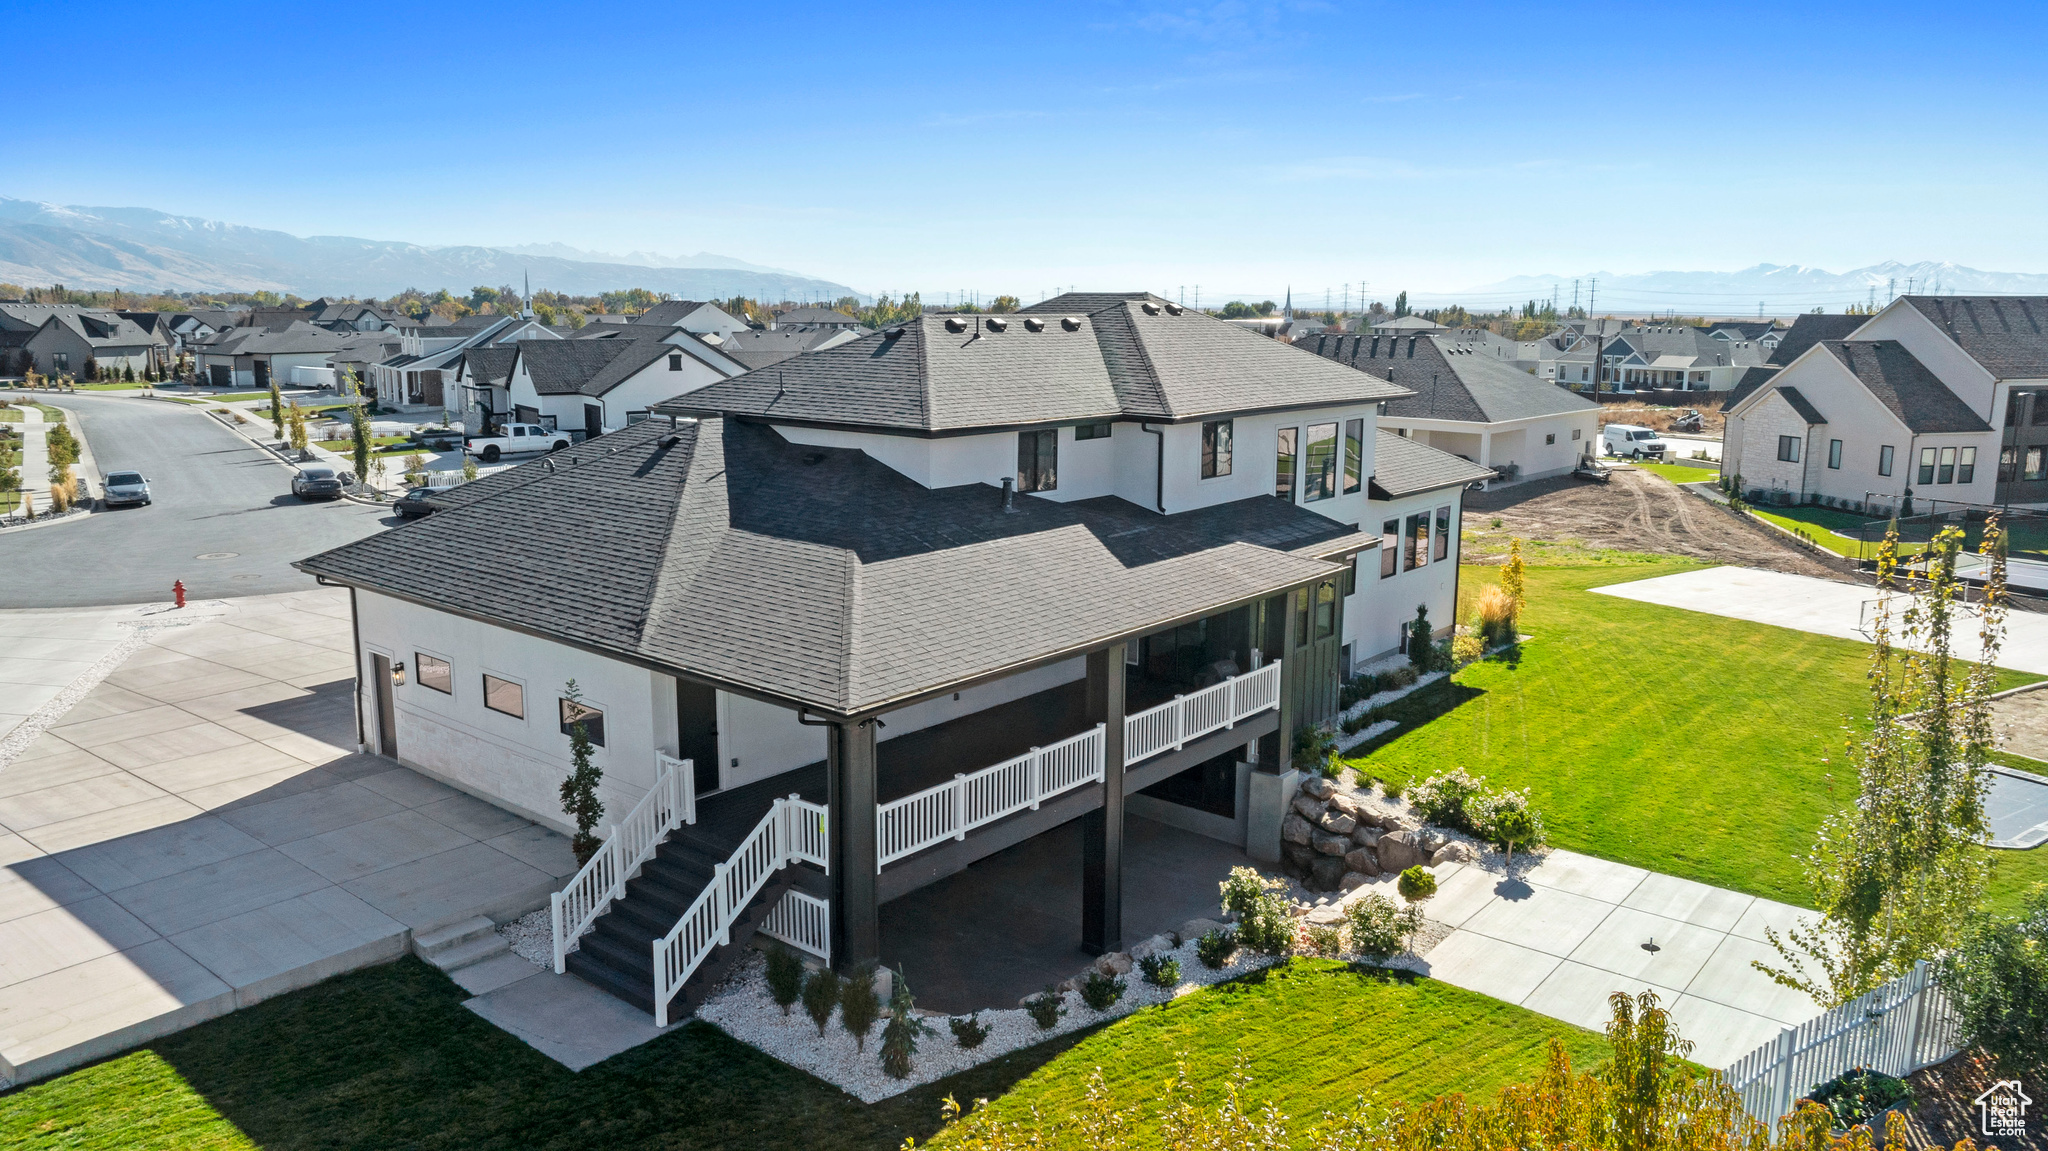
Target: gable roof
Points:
(1904, 385)
(587, 367)
(1752, 379)
(1448, 381)
(1402, 467)
(827, 316)
(668, 313)
(1811, 329)
(906, 590)
(2008, 335)
(1801, 405)
(490, 365)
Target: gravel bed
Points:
(532, 937)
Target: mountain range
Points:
(1776, 289)
(144, 249)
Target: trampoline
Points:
(2016, 806)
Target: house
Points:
(1933, 398)
(1806, 331)
(805, 319)
(758, 349)
(1679, 357)
(65, 339)
(1410, 324)
(596, 386)
(350, 316)
(1472, 404)
(361, 352)
(861, 619)
(418, 376)
(693, 316)
(251, 357)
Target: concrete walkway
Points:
(197, 833)
(35, 455)
(1823, 607)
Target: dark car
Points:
(413, 504)
(317, 482)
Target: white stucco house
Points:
(600, 385)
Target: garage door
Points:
(223, 376)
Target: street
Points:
(224, 519)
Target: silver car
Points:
(126, 488)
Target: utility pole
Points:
(1575, 295)
(1891, 289)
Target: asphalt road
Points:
(215, 495)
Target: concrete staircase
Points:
(617, 954)
(473, 954)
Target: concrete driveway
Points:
(224, 520)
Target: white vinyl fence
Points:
(804, 922)
(954, 808)
(669, 804)
(1897, 1029)
(1185, 717)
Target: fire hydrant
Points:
(178, 590)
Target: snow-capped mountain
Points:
(1779, 289)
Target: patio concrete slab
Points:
(51, 940)
(310, 813)
(493, 973)
(1765, 913)
(1721, 1034)
(1617, 946)
(135, 859)
(218, 890)
(364, 848)
(93, 1009)
(1714, 908)
(100, 826)
(1728, 979)
(1587, 876)
(1490, 966)
(1579, 994)
(566, 1019)
(67, 766)
(472, 817)
(438, 890)
(163, 746)
(1461, 894)
(32, 809)
(1539, 918)
(294, 943)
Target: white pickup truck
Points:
(515, 440)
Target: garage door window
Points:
(505, 697)
(434, 673)
(591, 718)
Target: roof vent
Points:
(955, 324)
(892, 333)
(1151, 309)
(1033, 324)
(1174, 309)
(997, 325)
(1071, 323)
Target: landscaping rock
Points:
(1197, 928)
(1353, 880)
(1367, 836)
(885, 983)
(1308, 807)
(1327, 844)
(1363, 860)
(1398, 851)
(1318, 787)
(1295, 859)
(1325, 875)
(1432, 840)
(1149, 947)
(1350, 804)
(1337, 823)
(1294, 829)
(1114, 963)
(1456, 851)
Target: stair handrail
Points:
(708, 923)
(669, 804)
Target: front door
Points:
(387, 729)
(697, 732)
(262, 373)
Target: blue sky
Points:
(1240, 146)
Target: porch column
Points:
(850, 793)
(1102, 830)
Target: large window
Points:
(1283, 464)
(1443, 533)
(2040, 408)
(591, 718)
(1390, 548)
(1301, 617)
(1354, 455)
(1415, 546)
(1038, 461)
(1216, 436)
(1326, 610)
(1788, 449)
(2008, 465)
(1947, 473)
(434, 673)
(1884, 460)
(1319, 479)
(1927, 465)
(502, 695)
(1835, 454)
(2035, 469)
(1966, 466)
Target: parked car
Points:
(413, 504)
(514, 440)
(126, 488)
(318, 481)
(1632, 441)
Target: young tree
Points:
(859, 1006)
(359, 431)
(1511, 574)
(276, 409)
(785, 975)
(1421, 640)
(297, 422)
(1511, 826)
(1898, 876)
(579, 790)
(904, 1029)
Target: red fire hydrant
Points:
(178, 590)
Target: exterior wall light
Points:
(398, 674)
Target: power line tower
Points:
(1592, 293)
(1891, 289)
(1575, 295)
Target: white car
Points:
(1632, 441)
(515, 440)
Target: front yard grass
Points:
(388, 1057)
(1692, 744)
(1681, 474)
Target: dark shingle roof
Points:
(1752, 379)
(1402, 467)
(905, 590)
(2008, 335)
(826, 316)
(490, 365)
(668, 313)
(1448, 382)
(1903, 384)
(588, 367)
(1811, 329)
(1802, 405)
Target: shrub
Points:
(1215, 946)
(1160, 970)
(1400, 677)
(1496, 615)
(1314, 749)
(1263, 920)
(1100, 992)
(1324, 940)
(968, 1032)
(1997, 978)
(1861, 1095)
(1421, 641)
(1046, 1008)
(821, 995)
(859, 1006)
(1380, 930)
(1441, 798)
(1466, 648)
(1505, 817)
(469, 469)
(1417, 884)
(785, 976)
(901, 1033)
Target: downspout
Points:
(355, 630)
(1159, 474)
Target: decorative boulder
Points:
(1337, 823)
(1114, 963)
(1295, 859)
(1456, 851)
(1308, 808)
(885, 983)
(1295, 829)
(1156, 945)
(1325, 875)
(1197, 928)
(1399, 851)
(1363, 860)
(1328, 844)
(1318, 787)
(1353, 880)
(1349, 804)
(1432, 839)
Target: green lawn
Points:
(1681, 474)
(1838, 531)
(387, 1057)
(1692, 744)
(117, 387)
(309, 409)
(10, 415)
(383, 445)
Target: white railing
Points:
(669, 804)
(708, 923)
(1171, 725)
(804, 922)
(954, 808)
(1897, 1029)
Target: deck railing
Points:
(1172, 724)
(790, 831)
(952, 809)
(669, 804)
(804, 922)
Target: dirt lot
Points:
(1635, 512)
(1643, 415)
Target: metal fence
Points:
(1897, 1029)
